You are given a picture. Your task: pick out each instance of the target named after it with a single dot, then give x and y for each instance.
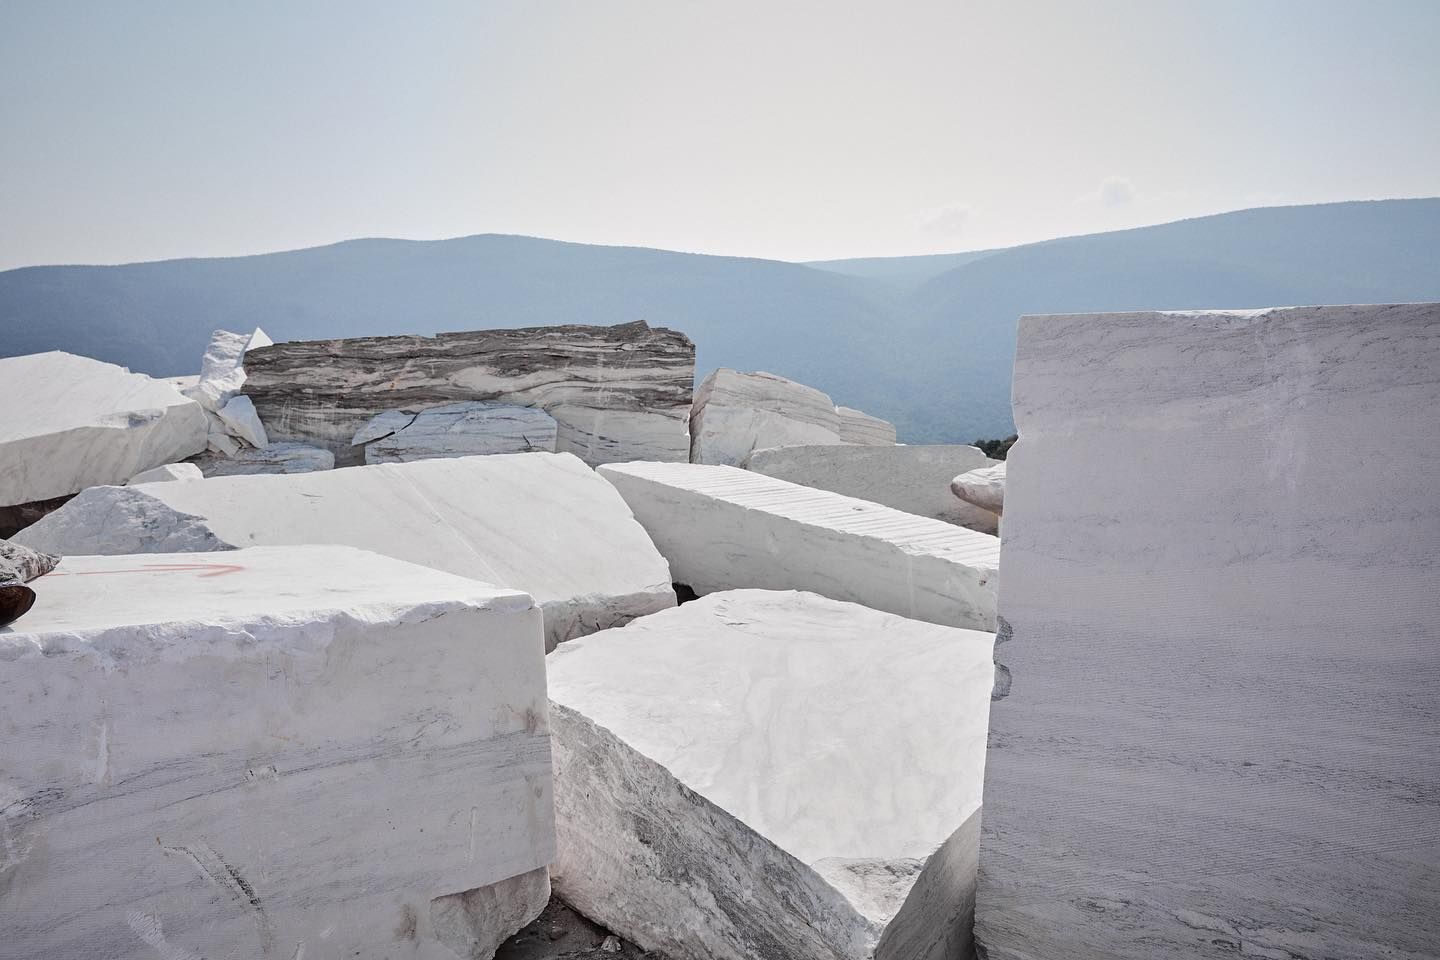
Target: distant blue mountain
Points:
(924, 341)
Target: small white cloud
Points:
(948, 220)
(1117, 192)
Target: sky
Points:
(784, 129)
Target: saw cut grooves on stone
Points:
(616, 393)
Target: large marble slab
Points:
(272, 753)
(616, 393)
(68, 422)
(772, 774)
(723, 528)
(541, 522)
(915, 479)
(1222, 551)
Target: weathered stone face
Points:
(260, 752)
(616, 393)
(465, 429)
(1221, 556)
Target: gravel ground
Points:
(562, 934)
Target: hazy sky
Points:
(796, 130)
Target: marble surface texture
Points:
(1222, 640)
(772, 774)
(983, 487)
(616, 393)
(465, 429)
(273, 753)
(169, 471)
(736, 413)
(222, 368)
(540, 522)
(857, 426)
(723, 528)
(70, 422)
(271, 459)
(915, 479)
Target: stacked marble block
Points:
(275, 752)
(1220, 639)
(773, 774)
(540, 522)
(723, 528)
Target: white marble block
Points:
(915, 479)
(464, 429)
(616, 393)
(168, 472)
(983, 487)
(68, 422)
(240, 420)
(857, 426)
(735, 413)
(222, 369)
(772, 774)
(541, 522)
(273, 753)
(723, 528)
(1222, 640)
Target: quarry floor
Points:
(559, 933)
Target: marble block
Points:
(168, 472)
(70, 422)
(271, 459)
(541, 522)
(722, 528)
(857, 426)
(616, 393)
(772, 774)
(222, 369)
(1221, 640)
(735, 413)
(915, 479)
(272, 753)
(983, 487)
(464, 429)
(240, 420)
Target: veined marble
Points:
(857, 426)
(541, 522)
(772, 774)
(722, 528)
(271, 753)
(1223, 641)
(464, 429)
(736, 413)
(71, 422)
(273, 458)
(983, 487)
(616, 393)
(915, 479)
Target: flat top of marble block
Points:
(181, 604)
(832, 729)
(821, 508)
(48, 392)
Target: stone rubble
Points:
(274, 752)
(772, 774)
(541, 522)
(722, 528)
(915, 479)
(71, 422)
